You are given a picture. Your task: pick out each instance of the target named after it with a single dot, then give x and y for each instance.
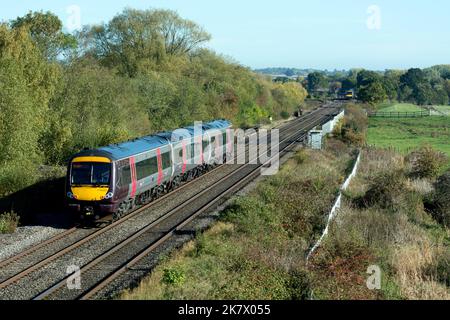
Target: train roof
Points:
(133, 147)
(147, 143)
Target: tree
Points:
(316, 80)
(136, 37)
(372, 93)
(93, 107)
(335, 86)
(46, 31)
(289, 96)
(370, 87)
(447, 87)
(391, 83)
(413, 77)
(27, 83)
(420, 88)
(348, 84)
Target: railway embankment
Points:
(389, 240)
(392, 228)
(258, 248)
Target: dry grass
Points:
(9, 221)
(411, 248)
(409, 263)
(422, 186)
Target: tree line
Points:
(430, 86)
(142, 72)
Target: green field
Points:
(443, 109)
(407, 134)
(399, 107)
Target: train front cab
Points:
(89, 186)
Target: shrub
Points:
(383, 190)
(285, 114)
(337, 147)
(350, 136)
(300, 157)
(443, 269)
(173, 276)
(9, 222)
(426, 162)
(352, 129)
(441, 198)
(356, 118)
(300, 284)
(439, 268)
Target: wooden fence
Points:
(418, 114)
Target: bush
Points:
(352, 129)
(300, 284)
(352, 137)
(443, 269)
(9, 222)
(356, 118)
(439, 268)
(173, 276)
(426, 162)
(285, 114)
(337, 147)
(383, 190)
(441, 198)
(300, 157)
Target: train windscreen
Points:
(96, 174)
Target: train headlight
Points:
(70, 195)
(109, 195)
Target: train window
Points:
(125, 175)
(195, 147)
(224, 135)
(166, 161)
(146, 168)
(205, 144)
(180, 153)
(192, 151)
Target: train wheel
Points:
(120, 212)
(176, 183)
(159, 191)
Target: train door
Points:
(165, 167)
(133, 177)
(206, 148)
(197, 151)
(179, 158)
(124, 180)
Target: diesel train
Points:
(117, 178)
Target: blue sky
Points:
(321, 34)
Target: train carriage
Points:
(116, 178)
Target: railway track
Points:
(18, 266)
(108, 265)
